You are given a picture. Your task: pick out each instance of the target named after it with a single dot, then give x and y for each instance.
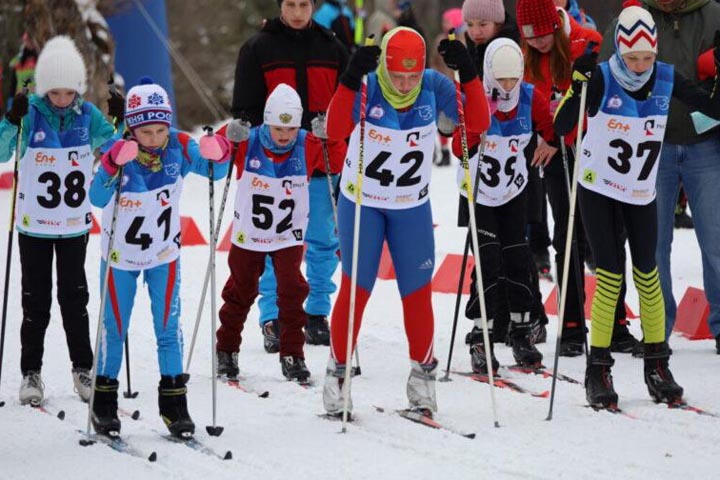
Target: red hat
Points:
(405, 50)
(536, 18)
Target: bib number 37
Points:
(625, 153)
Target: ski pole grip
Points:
(25, 88)
(370, 40)
(208, 129)
(451, 35)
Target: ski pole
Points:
(360, 15)
(103, 299)
(568, 243)
(203, 294)
(575, 252)
(213, 430)
(465, 161)
(11, 232)
(129, 393)
(331, 189)
(463, 267)
(106, 278)
(356, 249)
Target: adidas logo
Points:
(427, 265)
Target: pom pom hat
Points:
(636, 31)
(536, 18)
(490, 10)
(147, 103)
(60, 65)
(283, 107)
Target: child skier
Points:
(501, 200)
(628, 102)
(406, 106)
(147, 241)
(271, 215)
(60, 132)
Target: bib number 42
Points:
(385, 176)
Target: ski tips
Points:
(228, 455)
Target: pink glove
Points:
(122, 152)
(215, 148)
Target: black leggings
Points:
(36, 259)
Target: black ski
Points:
(503, 383)
(195, 444)
(118, 444)
(421, 419)
(541, 370)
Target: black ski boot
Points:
(599, 389)
(572, 342)
(317, 331)
(622, 340)
(294, 369)
(542, 262)
(271, 336)
(172, 400)
(105, 406)
(227, 364)
(478, 352)
(717, 344)
(524, 352)
(660, 382)
(538, 333)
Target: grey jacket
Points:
(681, 39)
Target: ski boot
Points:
(444, 158)
(421, 387)
(478, 353)
(294, 369)
(599, 389)
(317, 331)
(622, 340)
(227, 364)
(271, 337)
(524, 352)
(717, 344)
(538, 333)
(32, 389)
(572, 343)
(172, 401)
(333, 399)
(83, 383)
(682, 219)
(105, 406)
(658, 378)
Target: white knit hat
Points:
(636, 31)
(60, 65)
(147, 103)
(283, 107)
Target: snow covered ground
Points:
(282, 436)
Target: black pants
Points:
(504, 255)
(537, 231)
(556, 187)
(36, 258)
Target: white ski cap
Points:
(283, 107)
(636, 31)
(507, 62)
(60, 65)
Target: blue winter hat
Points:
(147, 103)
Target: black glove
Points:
(584, 66)
(116, 106)
(363, 61)
(18, 110)
(457, 57)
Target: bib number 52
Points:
(263, 216)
